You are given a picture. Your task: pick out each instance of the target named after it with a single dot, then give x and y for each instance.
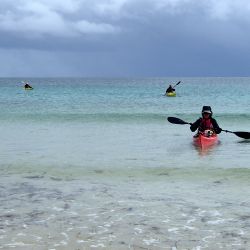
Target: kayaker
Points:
(27, 86)
(170, 89)
(206, 122)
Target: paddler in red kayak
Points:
(206, 124)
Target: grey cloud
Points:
(75, 18)
(127, 37)
(49, 18)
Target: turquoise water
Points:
(96, 163)
(120, 122)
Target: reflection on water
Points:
(244, 141)
(208, 150)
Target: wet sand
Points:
(98, 212)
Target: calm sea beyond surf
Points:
(94, 164)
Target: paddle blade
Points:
(245, 135)
(177, 83)
(175, 120)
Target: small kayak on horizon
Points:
(27, 86)
(170, 91)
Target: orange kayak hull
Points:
(204, 141)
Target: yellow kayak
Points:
(171, 94)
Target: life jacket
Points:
(206, 124)
(170, 89)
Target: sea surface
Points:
(92, 163)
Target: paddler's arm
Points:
(195, 125)
(216, 127)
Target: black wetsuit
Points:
(170, 89)
(27, 86)
(201, 125)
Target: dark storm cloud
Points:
(125, 37)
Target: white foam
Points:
(188, 227)
(174, 229)
(52, 216)
(81, 241)
(99, 245)
(215, 222)
(104, 230)
(91, 215)
(150, 241)
(72, 213)
(65, 235)
(201, 212)
(16, 244)
(83, 227)
(215, 213)
(63, 242)
(205, 239)
(190, 221)
(138, 230)
(58, 209)
(198, 248)
(38, 238)
(166, 221)
(241, 232)
(21, 234)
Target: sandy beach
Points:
(128, 212)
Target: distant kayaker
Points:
(170, 89)
(27, 86)
(206, 122)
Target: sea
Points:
(93, 163)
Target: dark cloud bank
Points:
(124, 38)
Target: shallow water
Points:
(158, 211)
(93, 163)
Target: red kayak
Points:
(204, 140)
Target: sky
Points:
(124, 38)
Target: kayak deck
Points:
(171, 94)
(204, 141)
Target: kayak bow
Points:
(204, 141)
(170, 94)
(29, 88)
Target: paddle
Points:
(177, 84)
(177, 121)
(244, 135)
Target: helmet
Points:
(206, 109)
